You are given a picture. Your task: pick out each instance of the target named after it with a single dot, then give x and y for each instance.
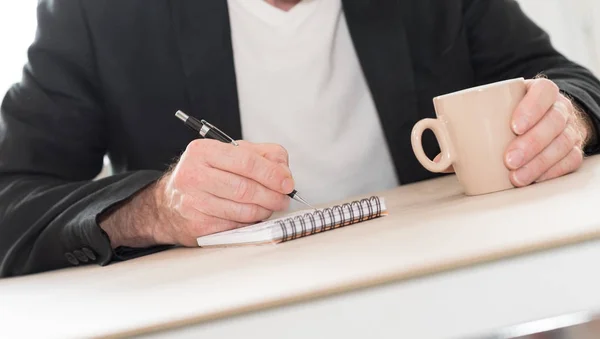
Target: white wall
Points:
(574, 26)
(17, 30)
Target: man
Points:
(328, 90)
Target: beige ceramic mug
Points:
(473, 131)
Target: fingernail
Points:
(522, 176)
(287, 185)
(515, 158)
(521, 125)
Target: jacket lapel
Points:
(380, 40)
(203, 35)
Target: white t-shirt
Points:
(300, 85)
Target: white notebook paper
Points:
(299, 224)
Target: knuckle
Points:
(568, 103)
(577, 139)
(247, 163)
(243, 190)
(533, 144)
(578, 157)
(273, 173)
(185, 176)
(204, 148)
(542, 162)
(565, 143)
(560, 115)
(538, 110)
(563, 168)
(195, 146)
(571, 136)
(248, 213)
(549, 86)
(253, 213)
(282, 151)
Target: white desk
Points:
(441, 265)
(469, 303)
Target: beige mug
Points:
(473, 131)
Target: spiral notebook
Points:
(299, 224)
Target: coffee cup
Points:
(472, 127)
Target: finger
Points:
(244, 162)
(234, 187)
(447, 170)
(210, 225)
(525, 147)
(551, 155)
(194, 222)
(541, 95)
(567, 165)
(273, 152)
(208, 204)
(204, 225)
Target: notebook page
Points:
(259, 232)
(298, 224)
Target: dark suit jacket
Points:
(105, 77)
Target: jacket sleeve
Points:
(505, 44)
(52, 144)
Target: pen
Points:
(207, 130)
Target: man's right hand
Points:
(214, 187)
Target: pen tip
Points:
(182, 116)
(300, 199)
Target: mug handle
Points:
(441, 135)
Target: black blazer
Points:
(105, 77)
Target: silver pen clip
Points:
(212, 127)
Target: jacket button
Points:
(81, 256)
(71, 258)
(90, 254)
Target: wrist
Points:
(584, 125)
(161, 218)
(586, 128)
(132, 222)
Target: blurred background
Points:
(574, 26)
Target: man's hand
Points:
(551, 135)
(214, 187)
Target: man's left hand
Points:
(550, 135)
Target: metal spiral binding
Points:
(301, 221)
